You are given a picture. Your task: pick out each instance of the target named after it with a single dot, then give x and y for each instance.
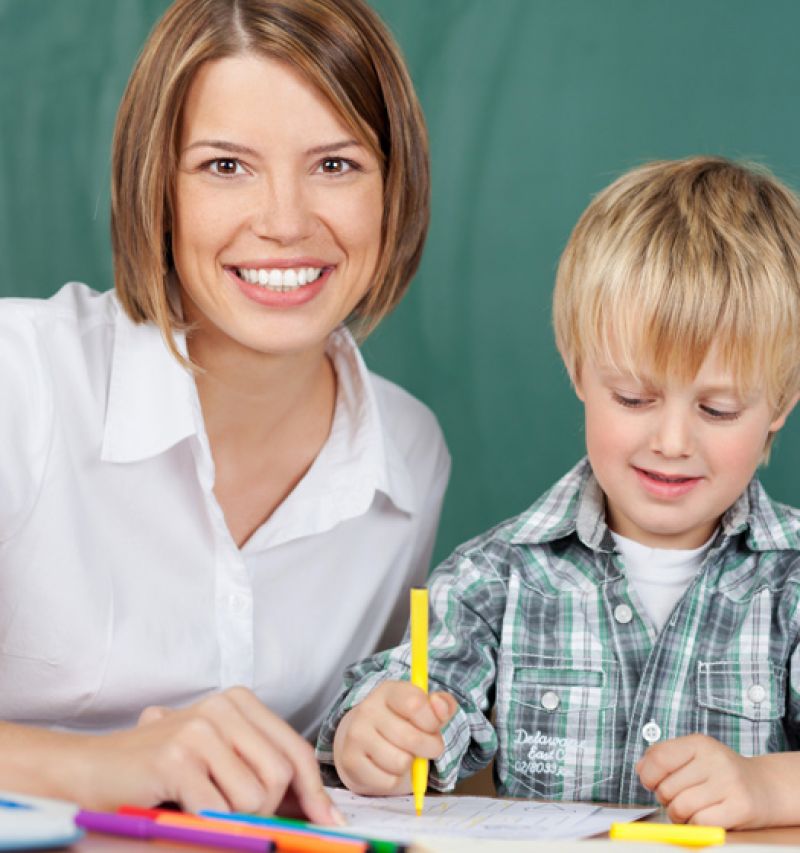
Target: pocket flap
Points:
(755, 691)
(560, 686)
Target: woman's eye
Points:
(224, 166)
(336, 166)
(719, 414)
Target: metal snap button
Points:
(550, 700)
(756, 693)
(623, 614)
(651, 731)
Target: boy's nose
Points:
(672, 436)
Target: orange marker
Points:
(290, 841)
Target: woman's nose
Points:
(281, 212)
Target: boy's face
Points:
(672, 458)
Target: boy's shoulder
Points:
(552, 517)
(770, 525)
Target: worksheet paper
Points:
(394, 818)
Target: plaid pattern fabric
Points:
(535, 621)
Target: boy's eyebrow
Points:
(721, 389)
(610, 374)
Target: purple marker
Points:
(142, 827)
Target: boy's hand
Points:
(377, 740)
(700, 780)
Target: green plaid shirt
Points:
(536, 621)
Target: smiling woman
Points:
(283, 200)
(212, 505)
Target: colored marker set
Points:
(228, 831)
(36, 823)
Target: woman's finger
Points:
(303, 777)
(247, 785)
(151, 714)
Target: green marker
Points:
(303, 826)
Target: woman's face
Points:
(277, 210)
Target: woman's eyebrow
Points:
(223, 145)
(333, 146)
(235, 148)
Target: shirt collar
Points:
(152, 400)
(575, 504)
(366, 443)
(152, 405)
(767, 525)
(357, 461)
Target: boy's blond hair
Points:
(677, 256)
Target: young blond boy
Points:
(636, 630)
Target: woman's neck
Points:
(244, 393)
(267, 417)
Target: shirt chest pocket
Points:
(557, 727)
(742, 704)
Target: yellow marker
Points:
(419, 677)
(669, 833)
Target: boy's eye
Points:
(719, 414)
(630, 402)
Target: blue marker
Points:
(10, 804)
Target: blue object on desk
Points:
(36, 823)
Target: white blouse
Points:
(120, 585)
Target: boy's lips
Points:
(664, 485)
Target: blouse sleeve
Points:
(26, 415)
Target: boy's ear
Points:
(781, 419)
(576, 384)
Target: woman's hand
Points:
(226, 751)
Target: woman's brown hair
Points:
(343, 49)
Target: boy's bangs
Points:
(664, 331)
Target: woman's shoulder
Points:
(411, 427)
(43, 353)
(75, 304)
(403, 411)
(59, 336)
(406, 420)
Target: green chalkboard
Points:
(533, 106)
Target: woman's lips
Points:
(666, 485)
(280, 298)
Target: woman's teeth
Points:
(279, 280)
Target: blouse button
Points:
(550, 700)
(623, 614)
(756, 693)
(651, 731)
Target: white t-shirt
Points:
(659, 576)
(120, 585)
